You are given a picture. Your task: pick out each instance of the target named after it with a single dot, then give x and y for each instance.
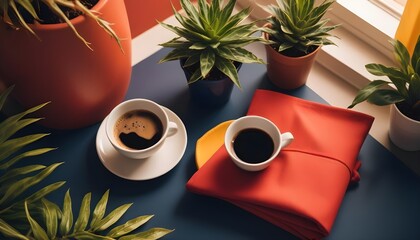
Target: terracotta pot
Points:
(404, 132)
(288, 72)
(210, 92)
(82, 85)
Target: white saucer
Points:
(143, 169)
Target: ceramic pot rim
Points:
(404, 116)
(75, 21)
(265, 35)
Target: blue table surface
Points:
(384, 205)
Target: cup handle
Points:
(172, 129)
(287, 138)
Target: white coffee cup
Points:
(168, 128)
(279, 140)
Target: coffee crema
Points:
(138, 129)
(253, 145)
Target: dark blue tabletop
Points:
(384, 205)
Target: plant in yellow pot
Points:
(297, 30)
(210, 46)
(404, 96)
(76, 54)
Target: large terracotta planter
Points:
(288, 72)
(404, 132)
(82, 85)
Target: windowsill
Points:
(334, 64)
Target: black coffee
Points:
(253, 145)
(138, 129)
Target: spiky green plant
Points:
(297, 26)
(27, 214)
(212, 37)
(405, 78)
(15, 13)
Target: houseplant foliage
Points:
(212, 38)
(405, 78)
(401, 90)
(27, 214)
(298, 31)
(18, 13)
(297, 27)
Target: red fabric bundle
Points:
(301, 191)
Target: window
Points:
(394, 7)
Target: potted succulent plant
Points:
(298, 31)
(404, 96)
(67, 53)
(209, 46)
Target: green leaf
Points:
(129, 226)
(9, 231)
(382, 97)
(207, 59)
(18, 187)
(84, 212)
(90, 236)
(381, 70)
(14, 123)
(13, 145)
(21, 156)
(38, 232)
(401, 54)
(414, 89)
(365, 92)
(67, 218)
(100, 208)
(238, 55)
(191, 60)
(415, 59)
(229, 69)
(195, 77)
(17, 205)
(51, 217)
(20, 171)
(398, 78)
(177, 54)
(151, 234)
(111, 218)
(41, 193)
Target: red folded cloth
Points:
(301, 191)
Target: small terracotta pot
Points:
(82, 85)
(288, 72)
(210, 92)
(404, 132)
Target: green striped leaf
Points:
(38, 232)
(112, 217)
(129, 226)
(67, 219)
(151, 234)
(84, 212)
(99, 211)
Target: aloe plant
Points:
(212, 37)
(405, 80)
(29, 215)
(297, 27)
(19, 13)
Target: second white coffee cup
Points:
(138, 117)
(254, 141)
